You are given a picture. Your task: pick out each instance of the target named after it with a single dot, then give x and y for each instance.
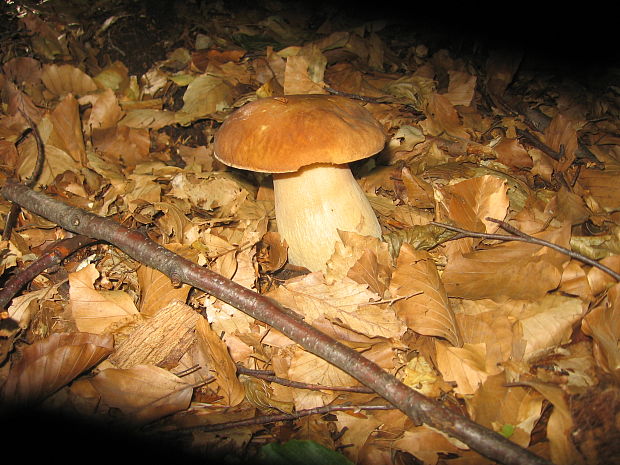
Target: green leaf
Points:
(300, 452)
(507, 430)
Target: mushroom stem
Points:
(312, 204)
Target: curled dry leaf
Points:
(221, 363)
(143, 393)
(560, 424)
(424, 305)
(603, 325)
(67, 133)
(467, 366)
(51, 363)
(67, 79)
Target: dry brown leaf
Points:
(272, 253)
(297, 79)
(468, 204)
(67, 79)
(602, 187)
(67, 134)
(560, 425)
(424, 305)
(25, 306)
(51, 363)
(484, 321)
(57, 161)
(467, 366)
(222, 366)
(364, 259)
(148, 118)
(143, 393)
(603, 325)
(418, 374)
(548, 323)
(443, 117)
(425, 444)
(122, 143)
(92, 310)
(501, 67)
(204, 96)
(420, 193)
(561, 136)
(499, 272)
(575, 281)
(114, 76)
(496, 405)
(357, 430)
(511, 153)
(105, 111)
(156, 289)
(343, 302)
(600, 280)
(460, 88)
(308, 368)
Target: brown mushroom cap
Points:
(284, 134)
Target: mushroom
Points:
(306, 141)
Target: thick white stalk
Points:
(312, 204)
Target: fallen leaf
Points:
(425, 444)
(49, 364)
(157, 290)
(602, 323)
(143, 393)
(67, 79)
(423, 303)
(221, 364)
(496, 405)
(467, 366)
(499, 272)
(94, 311)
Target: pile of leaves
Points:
(518, 336)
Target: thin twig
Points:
(11, 218)
(298, 385)
(416, 406)
(51, 257)
(520, 236)
(266, 419)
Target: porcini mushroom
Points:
(306, 141)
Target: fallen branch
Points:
(51, 257)
(416, 406)
(11, 218)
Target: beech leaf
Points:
(93, 310)
(424, 305)
(144, 393)
(49, 364)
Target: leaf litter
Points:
(504, 331)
